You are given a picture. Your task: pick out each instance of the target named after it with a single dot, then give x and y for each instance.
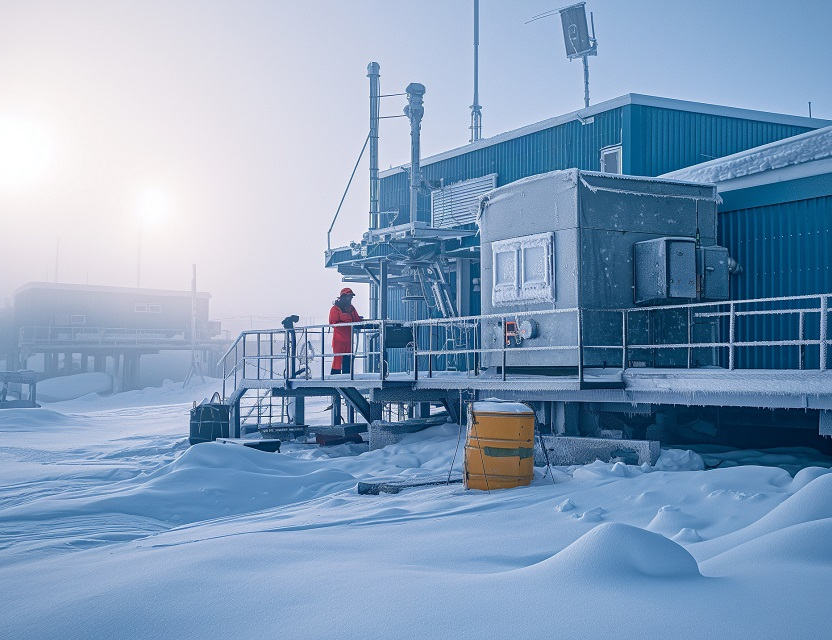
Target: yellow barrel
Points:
(499, 451)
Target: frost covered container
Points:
(567, 240)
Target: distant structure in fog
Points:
(81, 328)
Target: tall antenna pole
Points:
(195, 368)
(586, 81)
(373, 73)
(476, 109)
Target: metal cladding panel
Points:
(663, 140)
(566, 146)
(783, 250)
(457, 204)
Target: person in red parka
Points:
(342, 311)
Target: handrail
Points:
(728, 311)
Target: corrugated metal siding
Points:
(663, 140)
(457, 204)
(563, 147)
(784, 251)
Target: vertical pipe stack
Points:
(373, 73)
(414, 111)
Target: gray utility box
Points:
(673, 269)
(595, 242)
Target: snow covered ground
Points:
(112, 527)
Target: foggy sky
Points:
(248, 117)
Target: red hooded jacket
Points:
(341, 336)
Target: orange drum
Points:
(499, 450)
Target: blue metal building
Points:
(776, 221)
(633, 134)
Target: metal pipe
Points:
(382, 290)
(824, 328)
(801, 353)
(731, 329)
(476, 109)
(414, 111)
(586, 80)
(373, 73)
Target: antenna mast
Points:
(576, 36)
(476, 109)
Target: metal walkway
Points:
(291, 364)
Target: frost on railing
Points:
(774, 333)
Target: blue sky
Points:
(248, 116)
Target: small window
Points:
(505, 267)
(77, 319)
(534, 265)
(523, 269)
(154, 308)
(141, 308)
(611, 159)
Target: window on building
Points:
(611, 159)
(141, 308)
(77, 319)
(523, 269)
(154, 308)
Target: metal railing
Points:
(737, 334)
(302, 352)
(58, 336)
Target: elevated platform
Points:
(445, 362)
(763, 388)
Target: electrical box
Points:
(713, 273)
(665, 270)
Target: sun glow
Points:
(152, 207)
(25, 153)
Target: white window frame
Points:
(522, 290)
(154, 308)
(77, 319)
(140, 308)
(616, 148)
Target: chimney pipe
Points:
(373, 73)
(414, 111)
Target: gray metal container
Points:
(566, 240)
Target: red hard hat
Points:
(346, 291)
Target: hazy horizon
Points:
(237, 125)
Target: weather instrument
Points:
(579, 42)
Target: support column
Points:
(463, 286)
(565, 420)
(118, 381)
(300, 410)
(335, 414)
(375, 410)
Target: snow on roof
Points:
(631, 98)
(61, 286)
(796, 153)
